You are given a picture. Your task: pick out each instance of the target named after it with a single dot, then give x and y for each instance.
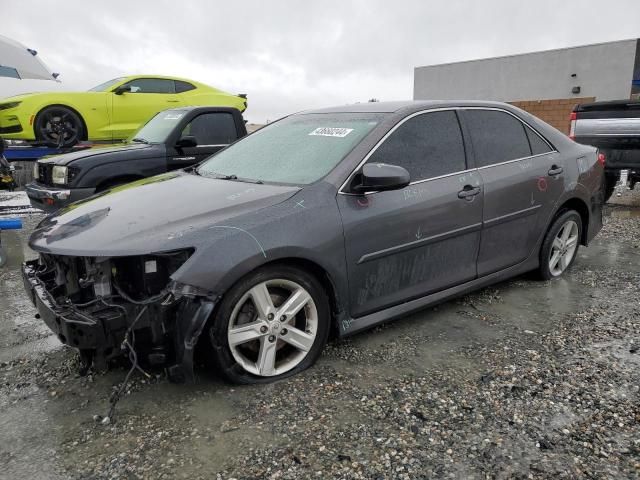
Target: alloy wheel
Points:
(272, 327)
(563, 248)
(57, 126)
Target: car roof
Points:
(406, 106)
(162, 77)
(202, 108)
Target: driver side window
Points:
(427, 145)
(151, 85)
(212, 129)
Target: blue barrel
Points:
(10, 224)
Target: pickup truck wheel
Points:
(560, 245)
(58, 127)
(270, 325)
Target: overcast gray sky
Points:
(291, 55)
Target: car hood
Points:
(142, 150)
(166, 212)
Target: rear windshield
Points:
(296, 150)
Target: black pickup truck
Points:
(172, 139)
(614, 128)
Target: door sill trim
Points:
(350, 326)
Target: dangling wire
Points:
(133, 358)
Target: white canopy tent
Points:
(18, 61)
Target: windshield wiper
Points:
(250, 180)
(245, 180)
(140, 140)
(235, 178)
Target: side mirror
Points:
(187, 141)
(122, 89)
(376, 177)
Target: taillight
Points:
(572, 125)
(602, 158)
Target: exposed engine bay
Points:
(106, 306)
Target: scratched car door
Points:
(404, 244)
(523, 179)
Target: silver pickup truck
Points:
(614, 128)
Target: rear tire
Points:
(58, 127)
(560, 245)
(274, 336)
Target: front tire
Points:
(58, 127)
(272, 324)
(560, 245)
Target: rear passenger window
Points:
(183, 86)
(427, 145)
(538, 145)
(497, 137)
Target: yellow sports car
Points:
(109, 112)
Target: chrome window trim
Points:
(417, 182)
(461, 172)
(608, 135)
(214, 145)
(444, 109)
(515, 160)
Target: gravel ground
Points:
(525, 379)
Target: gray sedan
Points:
(324, 223)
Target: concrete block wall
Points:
(555, 112)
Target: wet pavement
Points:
(524, 379)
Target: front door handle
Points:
(555, 170)
(468, 192)
(173, 101)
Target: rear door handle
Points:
(468, 191)
(173, 101)
(555, 170)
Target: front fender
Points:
(284, 232)
(91, 106)
(92, 176)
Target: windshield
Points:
(103, 87)
(299, 149)
(158, 128)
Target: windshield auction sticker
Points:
(173, 116)
(332, 132)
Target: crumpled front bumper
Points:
(99, 330)
(73, 327)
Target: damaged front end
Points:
(104, 305)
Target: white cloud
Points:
(291, 55)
